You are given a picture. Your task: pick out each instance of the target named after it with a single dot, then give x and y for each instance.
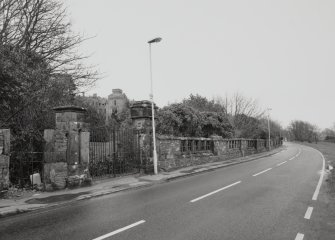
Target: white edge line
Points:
(119, 230)
(291, 158)
(281, 163)
(261, 172)
(216, 191)
(308, 213)
(299, 236)
(317, 190)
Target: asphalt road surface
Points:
(269, 198)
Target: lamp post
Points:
(269, 109)
(155, 40)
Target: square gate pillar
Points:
(66, 153)
(4, 158)
(141, 115)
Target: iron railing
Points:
(114, 152)
(23, 165)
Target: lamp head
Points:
(155, 40)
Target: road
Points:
(269, 198)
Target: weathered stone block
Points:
(81, 180)
(84, 147)
(73, 148)
(55, 174)
(4, 171)
(6, 141)
(53, 157)
(49, 137)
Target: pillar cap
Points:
(69, 108)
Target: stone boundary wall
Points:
(179, 152)
(4, 158)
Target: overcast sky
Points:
(281, 53)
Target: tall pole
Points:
(269, 128)
(153, 108)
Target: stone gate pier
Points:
(66, 151)
(4, 158)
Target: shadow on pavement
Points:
(56, 198)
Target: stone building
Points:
(97, 103)
(115, 103)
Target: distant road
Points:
(270, 198)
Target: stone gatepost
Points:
(220, 146)
(141, 115)
(4, 158)
(66, 153)
(243, 146)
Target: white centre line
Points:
(216, 191)
(298, 153)
(261, 172)
(281, 163)
(119, 230)
(295, 155)
(299, 236)
(308, 212)
(317, 190)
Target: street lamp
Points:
(269, 109)
(155, 40)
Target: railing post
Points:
(114, 151)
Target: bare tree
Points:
(239, 104)
(42, 27)
(40, 67)
(303, 131)
(244, 113)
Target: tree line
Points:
(40, 67)
(304, 131)
(197, 116)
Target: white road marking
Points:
(216, 191)
(119, 230)
(317, 190)
(299, 236)
(295, 155)
(261, 172)
(308, 212)
(281, 163)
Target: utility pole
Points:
(269, 109)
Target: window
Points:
(203, 145)
(234, 144)
(189, 145)
(183, 145)
(197, 145)
(251, 143)
(239, 143)
(208, 145)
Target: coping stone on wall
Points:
(164, 137)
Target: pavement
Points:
(41, 200)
